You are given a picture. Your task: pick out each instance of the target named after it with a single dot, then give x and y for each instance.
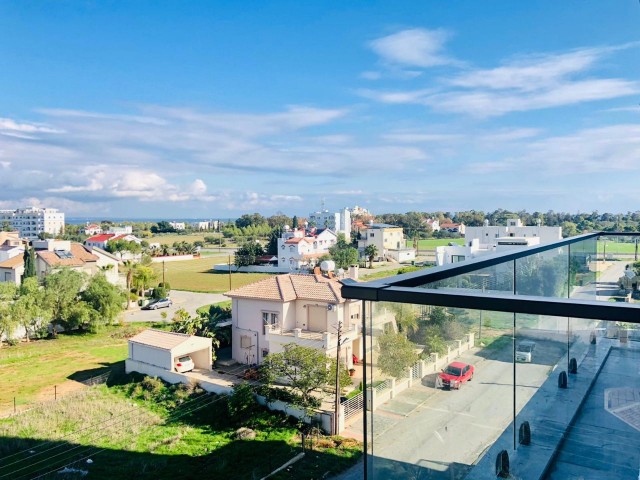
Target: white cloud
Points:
(416, 137)
(526, 83)
(416, 47)
(371, 75)
(7, 124)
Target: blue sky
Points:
(213, 109)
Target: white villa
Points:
(299, 249)
(293, 308)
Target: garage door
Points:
(317, 319)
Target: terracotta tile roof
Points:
(298, 240)
(292, 286)
(80, 256)
(101, 238)
(13, 262)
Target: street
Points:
(190, 301)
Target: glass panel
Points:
(494, 279)
(544, 274)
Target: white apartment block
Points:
(206, 225)
(178, 225)
(32, 221)
(339, 222)
(492, 238)
(389, 240)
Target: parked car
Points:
(524, 351)
(455, 375)
(162, 303)
(184, 364)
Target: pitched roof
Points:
(79, 256)
(101, 238)
(13, 262)
(160, 339)
(292, 286)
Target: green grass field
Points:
(616, 247)
(170, 238)
(432, 243)
(142, 428)
(198, 276)
(29, 371)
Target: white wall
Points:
(246, 317)
(150, 355)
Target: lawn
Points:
(143, 428)
(170, 238)
(197, 276)
(29, 371)
(432, 243)
(616, 247)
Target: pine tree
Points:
(29, 264)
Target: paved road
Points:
(190, 301)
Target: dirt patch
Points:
(64, 389)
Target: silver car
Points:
(162, 303)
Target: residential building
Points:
(54, 254)
(568, 408)
(178, 225)
(339, 222)
(92, 229)
(453, 227)
(102, 240)
(12, 249)
(489, 239)
(206, 225)
(120, 230)
(303, 309)
(301, 249)
(32, 221)
(434, 224)
(108, 264)
(388, 239)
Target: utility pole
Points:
(164, 283)
(229, 272)
(337, 409)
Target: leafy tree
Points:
(242, 402)
(247, 253)
(29, 264)
(397, 354)
(199, 325)
(438, 316)
(344, 379)
(304, 369)
(433, 341)
(142, 278)
(294, 222)
(8, 321)
(106, 299)
(406, 316)
(30, 309)
(6, 226)
(343, 254)
(250, 219)
(371, 251)
(279, 220)
(274, 240)
(163, 227)
(62, 289)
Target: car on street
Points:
(524, 351)
(455, 375)
(184, 364)
(162, 303)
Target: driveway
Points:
(190, 301)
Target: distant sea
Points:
(84, 220)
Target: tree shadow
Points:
(109, 373)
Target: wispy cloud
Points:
(415, 47)
(520, 84)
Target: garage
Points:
(154, 349)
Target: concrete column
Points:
(326, 339)
(448, 353)
(459, 346)
(297, 332)
(471, 340)
(393, 388)
(434, 359)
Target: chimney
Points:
(353, 271)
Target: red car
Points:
(455, 375)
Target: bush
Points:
(152, 385)
(165, 285)
(159, 292)
(241, 402)
(453, 331)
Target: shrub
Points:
(453, 331)
(152, 385)
(244, 434)
(241, 402)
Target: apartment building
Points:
(339, 222)
(32, 221)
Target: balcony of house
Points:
(308, 338)
(522, 364)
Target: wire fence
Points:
(55, 393)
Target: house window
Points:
(371, 235)
(269, 319)
(265, 352)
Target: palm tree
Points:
(371, 251)
(129, 266)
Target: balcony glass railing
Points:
(524, 364)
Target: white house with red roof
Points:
(300, 249)
(92, 229)
(103, 239)
(294, 308)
